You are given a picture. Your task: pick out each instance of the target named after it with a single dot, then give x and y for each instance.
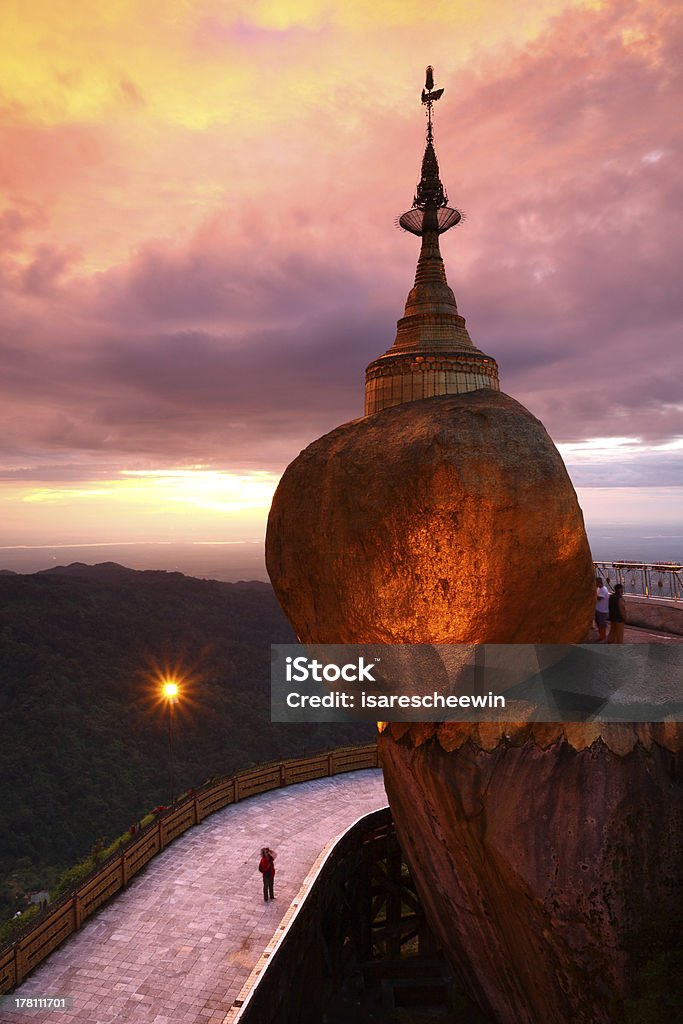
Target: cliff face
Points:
(549, 858)
(448, 520)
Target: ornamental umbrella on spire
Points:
(433, 353)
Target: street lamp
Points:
(170, 692)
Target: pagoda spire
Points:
(430, 191)
(433, 353)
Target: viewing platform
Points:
(654, 594)
(177, 945)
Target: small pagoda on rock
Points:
(433, 353)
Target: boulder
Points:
(448, 520)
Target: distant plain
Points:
(245, 561)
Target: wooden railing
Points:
(67, 915)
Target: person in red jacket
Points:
(267, 868)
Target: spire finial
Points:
(429, 96)
(430, 194)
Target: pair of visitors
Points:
(267, 868)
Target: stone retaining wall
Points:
(652, 614)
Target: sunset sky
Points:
(198, 254)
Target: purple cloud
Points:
(239, 345)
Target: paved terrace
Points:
(637, 635)
(178, 944)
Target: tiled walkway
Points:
(636, 635)
(179, 943)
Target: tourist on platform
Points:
(617, 615)
(267, 868)
(601, 608)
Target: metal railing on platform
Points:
(65, 916)
(660, 582)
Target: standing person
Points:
(601, 608)
(617, 616)
(267, 868)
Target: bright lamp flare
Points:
(170, 690)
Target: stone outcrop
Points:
(550, 861)
(450, 520)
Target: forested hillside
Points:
(83, 738)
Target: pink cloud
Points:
(238, 341)
(48, 266)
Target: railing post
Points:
(20, 971)
(78, 912)
(283, 774)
